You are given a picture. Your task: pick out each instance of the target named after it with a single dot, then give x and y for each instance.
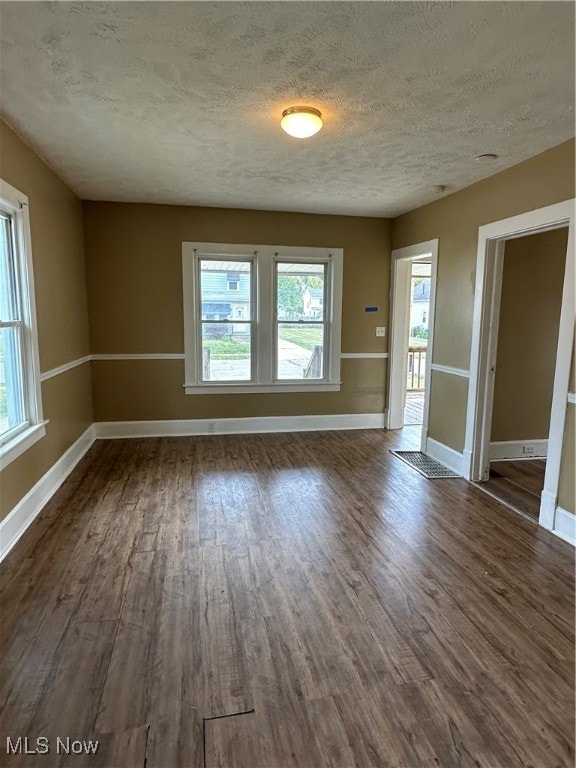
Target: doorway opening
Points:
(526, 341)
(413, 289)
(420, 279)
(483, 446)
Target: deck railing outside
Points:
(416, 368)
(314, 367)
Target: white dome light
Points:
(301, 122)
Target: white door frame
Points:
(491, 243)
(402, 259)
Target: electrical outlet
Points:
(527, 449)
(380, 331)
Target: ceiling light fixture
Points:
(301, 122)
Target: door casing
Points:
(491, 243)
(402, 259)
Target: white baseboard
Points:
(556, 519)
(467, 464)
(547, 510)
(516, 449)
(27, 509)
(185, 427)
(445, 455)
(565, 525)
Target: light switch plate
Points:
(380, 330)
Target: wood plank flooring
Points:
(527, 473)
(518, 484)
(369, 616)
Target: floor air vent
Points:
(428, 467)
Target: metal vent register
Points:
(428, 467)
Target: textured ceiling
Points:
(179, 102)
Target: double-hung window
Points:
(20, 397)
(278, 330)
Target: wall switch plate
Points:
(380, 330)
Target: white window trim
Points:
(18, 441)
(264, 337)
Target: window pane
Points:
(300, 291)
(8, 302)
(226, 352)
(225, 289)
(11, 403)
(300, 351)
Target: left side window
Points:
(21, 421)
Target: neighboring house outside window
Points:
(233, 279)
(21, 422)
(313, 300)
(280, 331)
(420, 302)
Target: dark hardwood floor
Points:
(369, 616)
(518, 484)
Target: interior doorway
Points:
(479, 448)
(413, 290)
(527, 339)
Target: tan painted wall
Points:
(532, 283)
(134, 267)
(449, 395)
(60, 282)
(543, 180)
(567, 487)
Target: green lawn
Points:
(227, 349)
(307, 338)
(230, 349)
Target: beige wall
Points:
(60, 282)
(449, 395)
(567, 486)
(532, 282)
(134, 267)
(543, 180)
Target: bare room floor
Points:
(368, 616)
(517, 484)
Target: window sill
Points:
(244, 388)
(21, 443)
